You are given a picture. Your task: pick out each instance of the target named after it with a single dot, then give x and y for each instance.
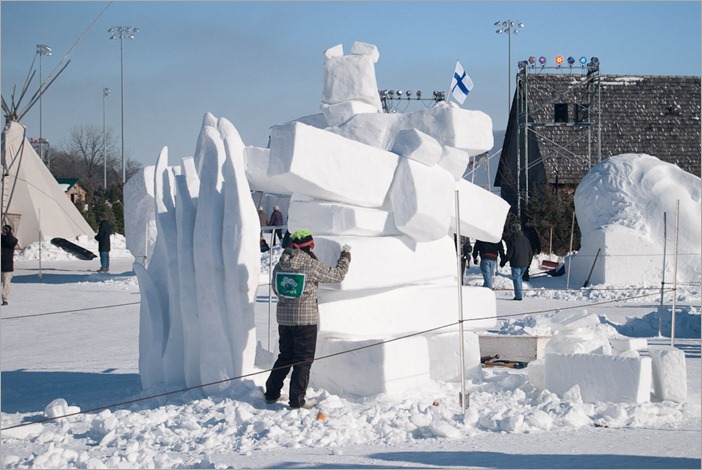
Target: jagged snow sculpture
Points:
(197, 311)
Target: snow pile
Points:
(208, 432)
(620, 205)
(395, 205)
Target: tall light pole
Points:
(105, 94)
(121, 33)
(508, 27)
(42, 50)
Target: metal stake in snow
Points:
(675, 272)
(460, 302)
(570, 251)
(665, 245)
(40, 241)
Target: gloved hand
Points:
(347, 255)
(475, 260)
(502, 263)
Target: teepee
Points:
(33, 203)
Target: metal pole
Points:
(665, 243)
(41, 112)
(570, 251)
(104, 141)
(270, 285)
(40, 240)
(121, 68)
(460, 302)
(509, 70)
(675, 272)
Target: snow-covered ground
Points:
(73, 334)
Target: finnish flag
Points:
(461, 84)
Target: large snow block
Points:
(392, 368)
(616, 379)
(421, 200)
(404, 310)
(257, 159)
(140, 220)
(449, 124)
(336, 218)
(482, 213)
(669, 373)
(418, 146)
(378, 262)
(445, 356)
(350, 78)
(455, 161)
(323, 165)
(339, 113)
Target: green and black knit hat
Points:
(302, 239)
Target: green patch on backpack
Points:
(289, 285)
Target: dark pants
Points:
(297, 348)
(525, 276)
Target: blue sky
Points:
(259, 64)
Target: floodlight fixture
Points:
(559, 60)
(532, 60)
(419, 94)
(542, 60)
(399, 93)
(409, 93)
(583, 60)
(571, 61)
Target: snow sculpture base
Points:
(391, 368)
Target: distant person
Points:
(296, 278)
(533, 236)
(465, 255)
(264, 245)
(488, 253)
(518, 256)
(103, 239)
(263, 220)
(9, 242)
(276, 220)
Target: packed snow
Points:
(57, 343)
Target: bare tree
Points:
(82, 157)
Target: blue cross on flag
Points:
(461, 84)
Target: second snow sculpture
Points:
(383, 183)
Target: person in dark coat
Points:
(533, 236)
(276, 220)
(488, 253)
(103, 239)
(465, 256)
(518, 255)
(9, 242)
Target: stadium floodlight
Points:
(509, 27)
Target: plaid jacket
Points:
(303, 310)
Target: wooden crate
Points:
(513, 348)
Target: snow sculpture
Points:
(197, 311)
(382, 183)
(639, 187)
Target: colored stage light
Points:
(583, 60)
(571, 60)
(559, 59)
(542, 60)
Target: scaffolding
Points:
(560, 112)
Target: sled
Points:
(72, 248)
